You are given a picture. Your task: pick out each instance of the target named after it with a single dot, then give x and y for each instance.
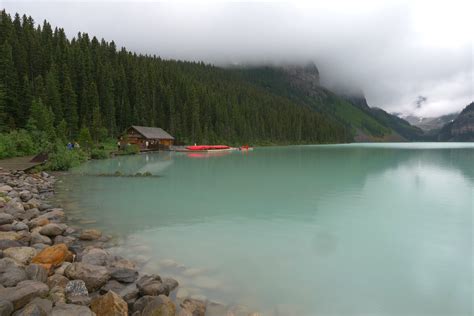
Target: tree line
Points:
(62, 87)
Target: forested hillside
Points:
(301, 84)
(59, 87)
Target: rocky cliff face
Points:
(304, 77)
(462, 128)
(464, 123)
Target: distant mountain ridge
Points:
(430, 123)
(461, 128)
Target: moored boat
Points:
(208, 147)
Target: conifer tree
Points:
(9, 81)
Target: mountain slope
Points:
(461, 129)
(301, 84)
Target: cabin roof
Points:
(152, 132)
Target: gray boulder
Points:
(12, 276)
(36, 272)
(6, 308)
(29, 214)
(129, 293)
(140, 304)
(152, 285)
(71, 310)
(25, 195)
(37, 238)
(170, 283)
(22, 255)
(76, 288)
(52, 229)
(6, 218)
(24, 292)
(37, 307)
(159, 305)
(124, 275)
(56, 294)
(57, 280)
(7, 243)
(95, 256)
(93, 276)
(112, 285)
(17, 226)
(11, 273)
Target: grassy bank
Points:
(20, 143)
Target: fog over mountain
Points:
(397, 52)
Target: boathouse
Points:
(146, 138)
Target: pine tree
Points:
(53, 98)
(3, 114)
(70, 108)
(9, 81)
(42, 120)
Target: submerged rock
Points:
(192, 307)
(90, 234)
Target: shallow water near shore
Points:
(383, 229)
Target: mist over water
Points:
(381, 229)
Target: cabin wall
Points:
(132, 137)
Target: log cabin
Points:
(146, 138)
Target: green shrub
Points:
(62, 159)
(131, 149)
(16, 143)
(98, 153)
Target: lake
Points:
(380, 229)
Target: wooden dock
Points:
(19, 163)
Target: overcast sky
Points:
(407, 56)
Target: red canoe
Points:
(207, 147)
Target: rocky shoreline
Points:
(50, 268)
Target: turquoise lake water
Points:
(357, 229)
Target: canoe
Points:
(207, 147)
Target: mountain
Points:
(430, 123)
(461, 128)
(302, 85)
(86, 83)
